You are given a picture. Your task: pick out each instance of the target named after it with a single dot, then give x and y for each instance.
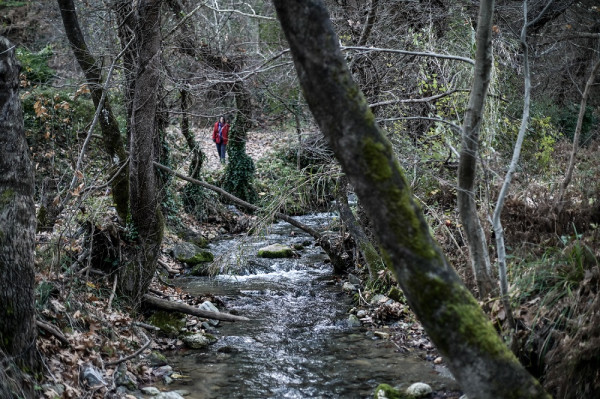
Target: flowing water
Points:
(298, 343)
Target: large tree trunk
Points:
(467, 166)
(17, 230)
(478, 358)
(111, 135)
(146, 217)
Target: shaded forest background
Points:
(413, 62)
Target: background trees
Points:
(414, 62)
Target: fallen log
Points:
(187, 309)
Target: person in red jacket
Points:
(220, 132)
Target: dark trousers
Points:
(221, 150)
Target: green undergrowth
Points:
(287, 189)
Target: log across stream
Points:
(297, 343)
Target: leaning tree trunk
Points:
(146, 217)
(111, 134)
(467, 166)
(478, 358)
(17, 230)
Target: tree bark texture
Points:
(111, 135)
(146, 217)
(467, 166)
(478, 358)
(17, 223)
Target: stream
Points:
(298, 343)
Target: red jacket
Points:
(224, 131)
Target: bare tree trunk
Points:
(558, 204)
(111, 134)
(17, 231)
(467, 166)
(372, 258)
(478, 358)
(147, 219)
(496, 221)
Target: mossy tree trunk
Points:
(239, 173)
(478, 358)
(467, 166)
(147, 222)
(17, 232)
(113, 141)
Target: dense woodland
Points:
(468, 132)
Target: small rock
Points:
(382, 335)
(162, 371)
(377, 299)
(298, 247)
(419, 390)
(198, 341)
(124, 378)
(169, 395)
(167, 380)
(438, 360)
(157, 359)
(352, 279)
(361, 313)
(91, 375)
(353, 321)
(209, 307)
(349, 287)
(276, 251)
(183, 392)
(152, 391)
(57, 389)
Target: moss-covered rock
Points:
(396, 294)
(169, 323)
(276, 251)
(157, 359)
(191, 254)
(385, 391)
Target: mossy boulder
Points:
(157, 359)
(276, 251)
(396, 294)
(191, 254)
(169, 323)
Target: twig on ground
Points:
(50, 329)
(112, 294)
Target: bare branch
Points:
(416, 53)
